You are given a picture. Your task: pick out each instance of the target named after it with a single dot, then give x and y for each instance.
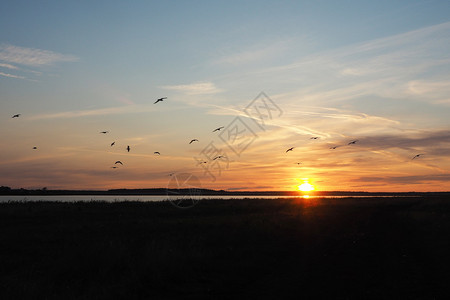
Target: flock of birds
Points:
(335, 147)
(128, 148)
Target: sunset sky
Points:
(377, 72)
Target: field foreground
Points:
(304, 248)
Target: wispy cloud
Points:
(32, 56)
(95, 112)
(8, 66)
(199, 88)
(11, 75)
(413, 179)
(255, 53)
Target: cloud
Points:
(407, 141)
(11, 75)
(32, 56)
(413, 179)
(95, 112)
(199, 88)
(8, 66)
(257, 53)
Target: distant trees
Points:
(4, 189)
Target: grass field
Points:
(348, 248)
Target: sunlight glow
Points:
(306, 187)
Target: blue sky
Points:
(376, 72)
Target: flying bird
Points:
(218, 129)
(114, 167)
(156, 152)
(417, 156)
(202, 162)
(334, 147)
(16, 116)
(314, 138)
(194, 140)
(128, 148)
(171, 174)
(113, 143)
(104, 132)
(290, 149)
(34, 148)
(299, 163)
(118, 162)
(352, 142)
(160, 100)
(217, 157)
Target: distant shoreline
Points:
(5, 191)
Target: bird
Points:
(352, 142)
(128, 148)
(299, 163)
(194, 140)
(16, 116)
(202, 162)
(118, 162)
(217, 157)
(113, 143)
(156, 152)
(219, 128)
(34, 148)
(160, 100)
(171, 174)
(314, 138)
(290, 149)
(334, 147)
(104, 132)
(114, 167)
(417, 156)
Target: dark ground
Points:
(371, 248)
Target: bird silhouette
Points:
(104, 132)
(114, 167)
(417, 156)
(334, 147)
(290, 149)
(194, 140)
(299, 163)
(118, 162)
(219, 128)
(156, 152)
(16, 116)
(34, 148)
(128, 148)
(160, 100)
(113, 143)
(217, 157)
(352, 142)
(202, 162)
(314, 138)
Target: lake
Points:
(152, 198)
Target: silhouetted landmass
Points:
(365, 248)
(206, 192)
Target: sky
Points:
(307, 75)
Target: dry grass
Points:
(334, 248)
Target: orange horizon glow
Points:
(306, 186)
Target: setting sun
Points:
(306, 187)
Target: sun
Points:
(306, 187)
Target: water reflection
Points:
(124, 198)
